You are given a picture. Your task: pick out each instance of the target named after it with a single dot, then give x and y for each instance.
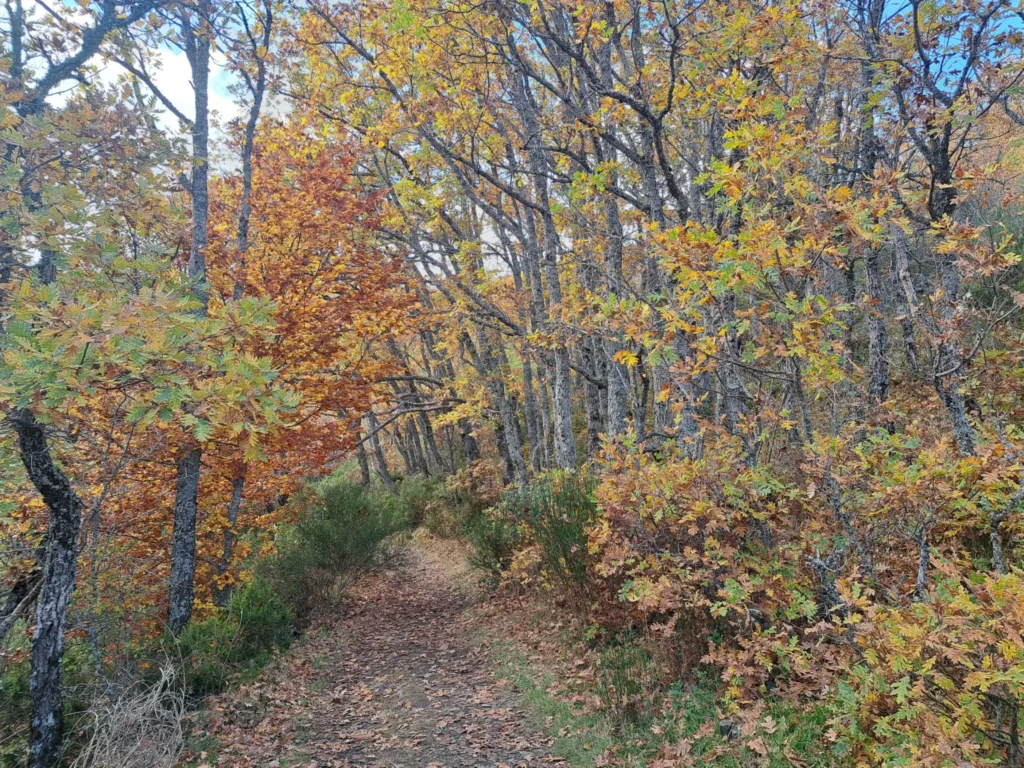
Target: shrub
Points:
(14, 698)
(556, 510)
(141, 728)
(417, 495)
(494, 539)
(941, 681)
(340, 533)
(626, 683)
(446, 508)
(240, 638)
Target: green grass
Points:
(579, 737)
(582, 735)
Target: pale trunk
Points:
(183, 545)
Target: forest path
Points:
(395, 682)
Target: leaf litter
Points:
(395, 682)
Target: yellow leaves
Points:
(626, 357)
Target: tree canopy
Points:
(754, 269)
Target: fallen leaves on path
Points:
(395, 682)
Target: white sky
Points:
(175, 80)
(172, 75)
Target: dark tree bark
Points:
(414, 448)
(947, 363)
(484, 360)
(507, 471)
(592, 396)
(378, 453)
(430, 443)
(878, 337)
(364, 465)
(53, 584)
(181, 591)
(470, 448)
(688, 437)
(222, 593)
(60, 560)
(534, 430)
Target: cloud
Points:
(173, 76)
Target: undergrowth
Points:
(234, 643)
(620, 701)
(547, 520)
(617, 717)
(340, 533)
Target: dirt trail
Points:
(396, 682)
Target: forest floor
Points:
(423, 668)
(402, 678)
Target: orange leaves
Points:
(332, 289)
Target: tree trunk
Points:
(534, 431)
(221, 593)
(617, 394)
(507, 472)
(734, 397)
(402, 446)
(57, 585)
(592, 395)
(470, 449)
(638, 392)
(511, 431)
(878, 338)
(947, 363)
(548, 437)
(485, 362)
(415, 448)
(430, 442)
(688, 437)
(197, 51)
(183, 544)
(565, 440)
(364, 465)
(378, 453)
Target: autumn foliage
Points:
(718, 305)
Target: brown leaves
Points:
(394, 683)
